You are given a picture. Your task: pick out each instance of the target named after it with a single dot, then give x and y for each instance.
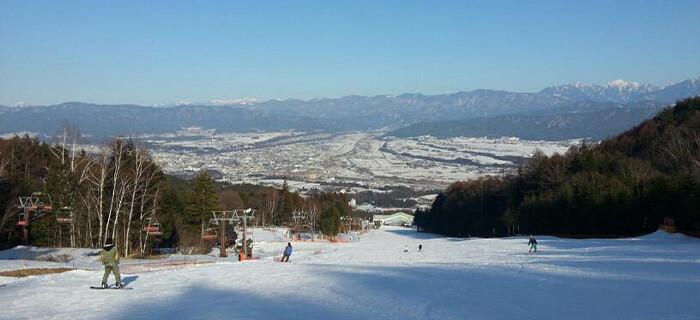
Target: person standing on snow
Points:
(405, 250)
(532, 243)
(420, 247)
(287, 252)
(110, 259)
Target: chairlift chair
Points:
(63, 215)
(155, 233)
(21, 221)
(43, 203)
(33, 207)
(209, 234)
(152, 227)
(208, 230)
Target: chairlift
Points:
(209, 234)
(21, 221)
(155, 233)
(152, 227)
(43, 202)
(63, 215)
(33, 207)
(208, 230)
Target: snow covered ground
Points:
(317, 159)
(651, 277)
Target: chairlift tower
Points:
(299, 217)
(247, 214)
(222, 218)
(300, 221)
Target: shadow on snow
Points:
(428, 292)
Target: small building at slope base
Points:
(395, 219)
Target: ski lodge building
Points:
(396, 219)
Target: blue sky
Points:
(155, 52)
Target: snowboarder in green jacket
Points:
(110, 259)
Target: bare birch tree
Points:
(271, 200)
(313, 214)
(97, 191)
(117, 154)
(139, 177)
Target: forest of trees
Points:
(111, 194)
(626, 185)
(116, 191)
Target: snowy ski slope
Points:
(651, 277)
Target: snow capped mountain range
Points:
(622, 85)
(622, 91)
(581, 104)
(618, 91)
(215, 102)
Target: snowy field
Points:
(652, 277)
(365, 158)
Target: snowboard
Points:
(276, 259)
(111, 287)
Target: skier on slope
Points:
(532, 243)
(406, 249)
(287, 252)
(110, 259)
(420, 247)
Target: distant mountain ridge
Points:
(598, 122)
(352, 113)
(343, 114)
(625, 91)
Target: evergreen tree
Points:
(330, 221)
(172, 212)
(203, 200)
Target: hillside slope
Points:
(597, 122)
(651, 277)
(626, 185)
